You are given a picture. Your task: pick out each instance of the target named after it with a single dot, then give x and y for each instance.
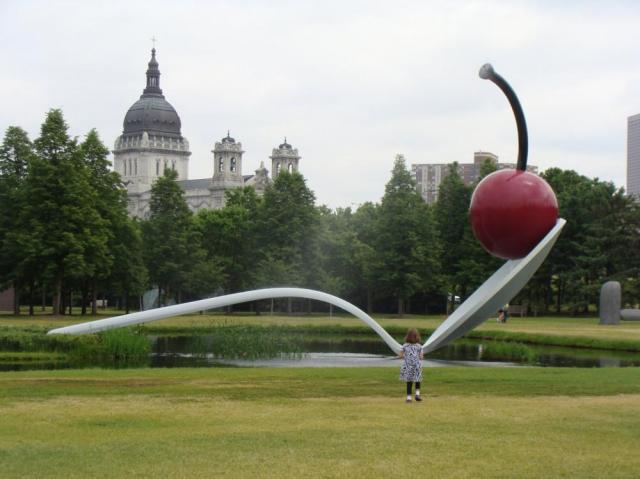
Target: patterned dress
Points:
(411, 369)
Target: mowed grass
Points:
(474, 422)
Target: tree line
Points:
(65, 235)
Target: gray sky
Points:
(350, 83)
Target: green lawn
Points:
(474, 422)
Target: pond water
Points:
(199, 351)
(179, 350)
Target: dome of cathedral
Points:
(152, 113)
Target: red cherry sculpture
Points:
(512, 210)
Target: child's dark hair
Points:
(413, 336)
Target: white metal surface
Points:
(494, 293)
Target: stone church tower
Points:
(284, 158)
(151, 140)
(227, 169)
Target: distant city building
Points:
(429, 176)
(633, 155)
(152, 141)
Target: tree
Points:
(486, 168)
(602, 227)
(337, 239)
(129, 274)
(347, 262)
(288, 232)
(173, 254)
(452, 219)
(406, 238)
(59, 228)
(111, 205)
(230, 237)
(366, 260)
(16, 155)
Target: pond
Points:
(336, 351)
(357, 351)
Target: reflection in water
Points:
(461, 350)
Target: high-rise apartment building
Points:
(429, 176)
(633, 155)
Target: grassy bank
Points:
(320, 423)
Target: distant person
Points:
(500, 317)
(505, 310)
(411, 369)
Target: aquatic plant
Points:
(123, 344)
(120, 344)
(506, 351)
(232, 341)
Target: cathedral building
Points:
(152, 141)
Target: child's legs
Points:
(409, 385)
(417, 387)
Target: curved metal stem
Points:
(487, 73)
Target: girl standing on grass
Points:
(411, 369)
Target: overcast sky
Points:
(349, 83)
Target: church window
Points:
(277, 168)
(130, 168)
(173, 165)
(157, 167)
(290, 167)
(232, 166)
(125, 167)
(135, 167)
(220, 164)
(165, 166)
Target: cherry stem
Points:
(487, 73)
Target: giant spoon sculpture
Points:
(513, 213)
